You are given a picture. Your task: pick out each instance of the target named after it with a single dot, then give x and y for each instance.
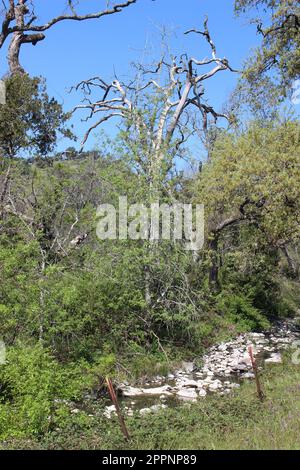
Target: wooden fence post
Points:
(260, 393)
(115, 402)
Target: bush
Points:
(36, 391)
(240, 311)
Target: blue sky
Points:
(75, 51)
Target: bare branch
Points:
(207, 35)
(19, 20)
(178, 84)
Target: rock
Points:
(155, 408)
(199, 374)
(145, 411)
(241, 367)
(190, 384)
(248, 375)
(284, 340)
(109, 410)
(234, 385)
(256, 335)
(188, 366)
(200, 383)
(136, 392)
(128, 391)
(269, 348)
(261, 341)
(223, 361)
(75, 411)
(164, 390)
(275, 358)
(163, 398)
(216, 385)
(187, 394)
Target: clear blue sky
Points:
(74, 51)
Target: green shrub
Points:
(36, 391)
(31, 380)
(240, 311)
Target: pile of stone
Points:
(224, 367)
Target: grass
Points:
(238, 421)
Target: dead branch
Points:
(19, 22)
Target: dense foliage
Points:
(74, 308)
(270, 73)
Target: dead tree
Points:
(19, 23)
(156, 112)
(161, 126)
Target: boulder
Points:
(188, 366)
(128, 391)
(275, 358)
(187, 394)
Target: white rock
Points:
(188, 366)
(234, 385)
(128, 391)
(269, 348)
(256, 335)
(190, 384)
(135, 392)
(275, 358)
(158, 407)
(188, 394)
(145, 411)
(284, 340)
(248, 375)
(109, 410)
(165, 390)
(216, 385)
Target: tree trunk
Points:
(147, 286)
(294, 269)
(214, 268)
(14, 50)
(13, 56)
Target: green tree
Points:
(270, 72)
(30, 121)
(253, 180)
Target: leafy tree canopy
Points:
(30, 121)
(271, 70)
(254, 177)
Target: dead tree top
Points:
(181, 88)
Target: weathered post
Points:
(115, 402)
(260, 393)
